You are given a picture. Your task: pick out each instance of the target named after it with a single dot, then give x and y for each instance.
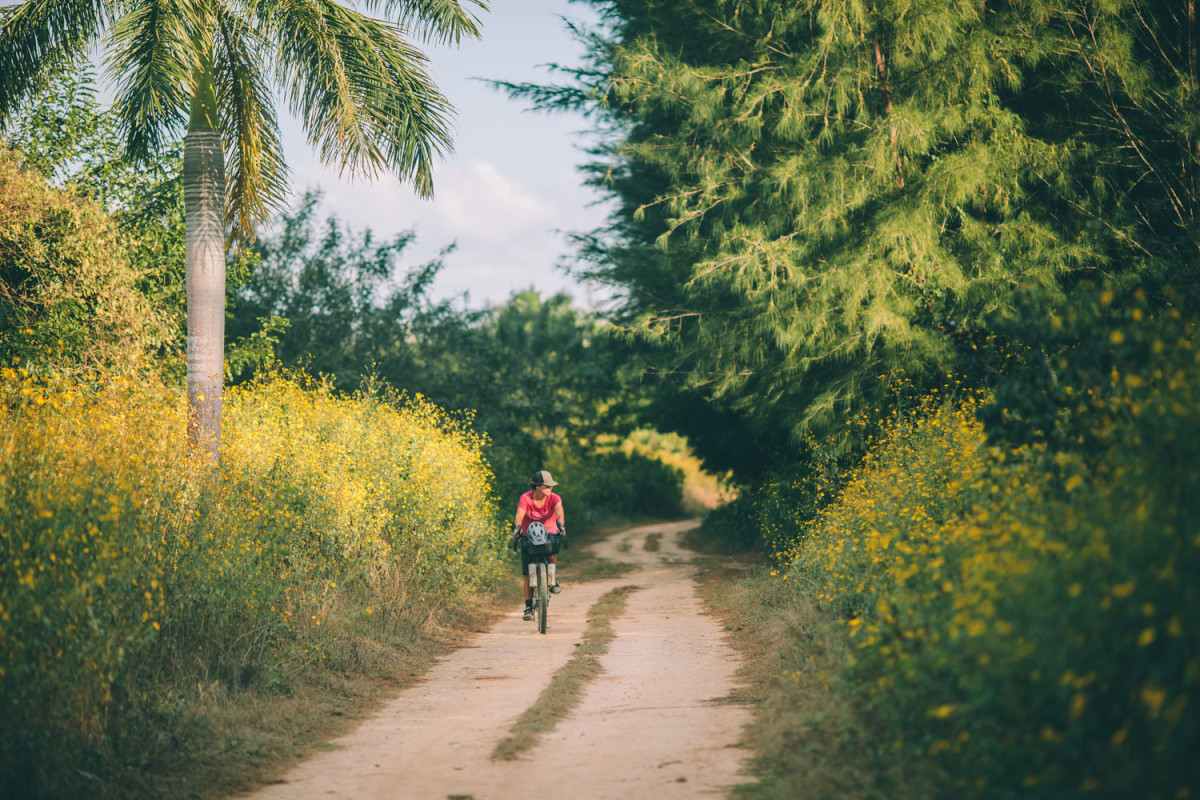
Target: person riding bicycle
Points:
(539, 504)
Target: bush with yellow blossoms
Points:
(1025, 620)
(124, 565)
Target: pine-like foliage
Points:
(815, 196)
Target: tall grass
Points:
(124, 568)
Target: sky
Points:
(511, 192)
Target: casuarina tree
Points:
(216, 68)
(819, 203)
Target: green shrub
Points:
(770, 515)
(1024, 620)
(732, 527)
(70, 296)
(598, 488)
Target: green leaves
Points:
(814, 195)
(257, 175)
(363, 95)
(152, 55)
(39, 37)
(432, 20)
(360, 88)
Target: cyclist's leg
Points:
(528, 591)
(551, 570)
(525, 576)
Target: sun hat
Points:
(542, 478)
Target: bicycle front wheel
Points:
(542, 601)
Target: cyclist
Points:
(539, 504)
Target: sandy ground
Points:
(652, 726)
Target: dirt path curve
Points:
(652, 726)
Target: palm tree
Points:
(358, 85)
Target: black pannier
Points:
(548, 548)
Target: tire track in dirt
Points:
(652, 726)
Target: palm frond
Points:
(37, 38)
(363, 94)
(412, 116)
(256, 175)
(152, 52)
(444, 21)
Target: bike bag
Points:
(538, 542)
(547, 548)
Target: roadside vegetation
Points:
(957, 615)
(168, 627)
(130, 576)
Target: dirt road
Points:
(652, 726)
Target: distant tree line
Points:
(538, 374)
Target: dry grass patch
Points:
(599, 570)
(808, 741)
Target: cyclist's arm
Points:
(558, 513)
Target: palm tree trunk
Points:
(204, 262)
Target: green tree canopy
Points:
(360, 89)
(349, 307)
(818, 200)
(68, 294)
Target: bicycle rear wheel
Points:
(542, 601)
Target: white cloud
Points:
(509, 236)
(476, 199)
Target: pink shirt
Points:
(544, 514)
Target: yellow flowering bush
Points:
(1025, 620)
(125, 565)
(89, 490)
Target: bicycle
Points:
(538, 546)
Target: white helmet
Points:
(537, 533)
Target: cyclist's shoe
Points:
(528, 613)
(555, 589)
